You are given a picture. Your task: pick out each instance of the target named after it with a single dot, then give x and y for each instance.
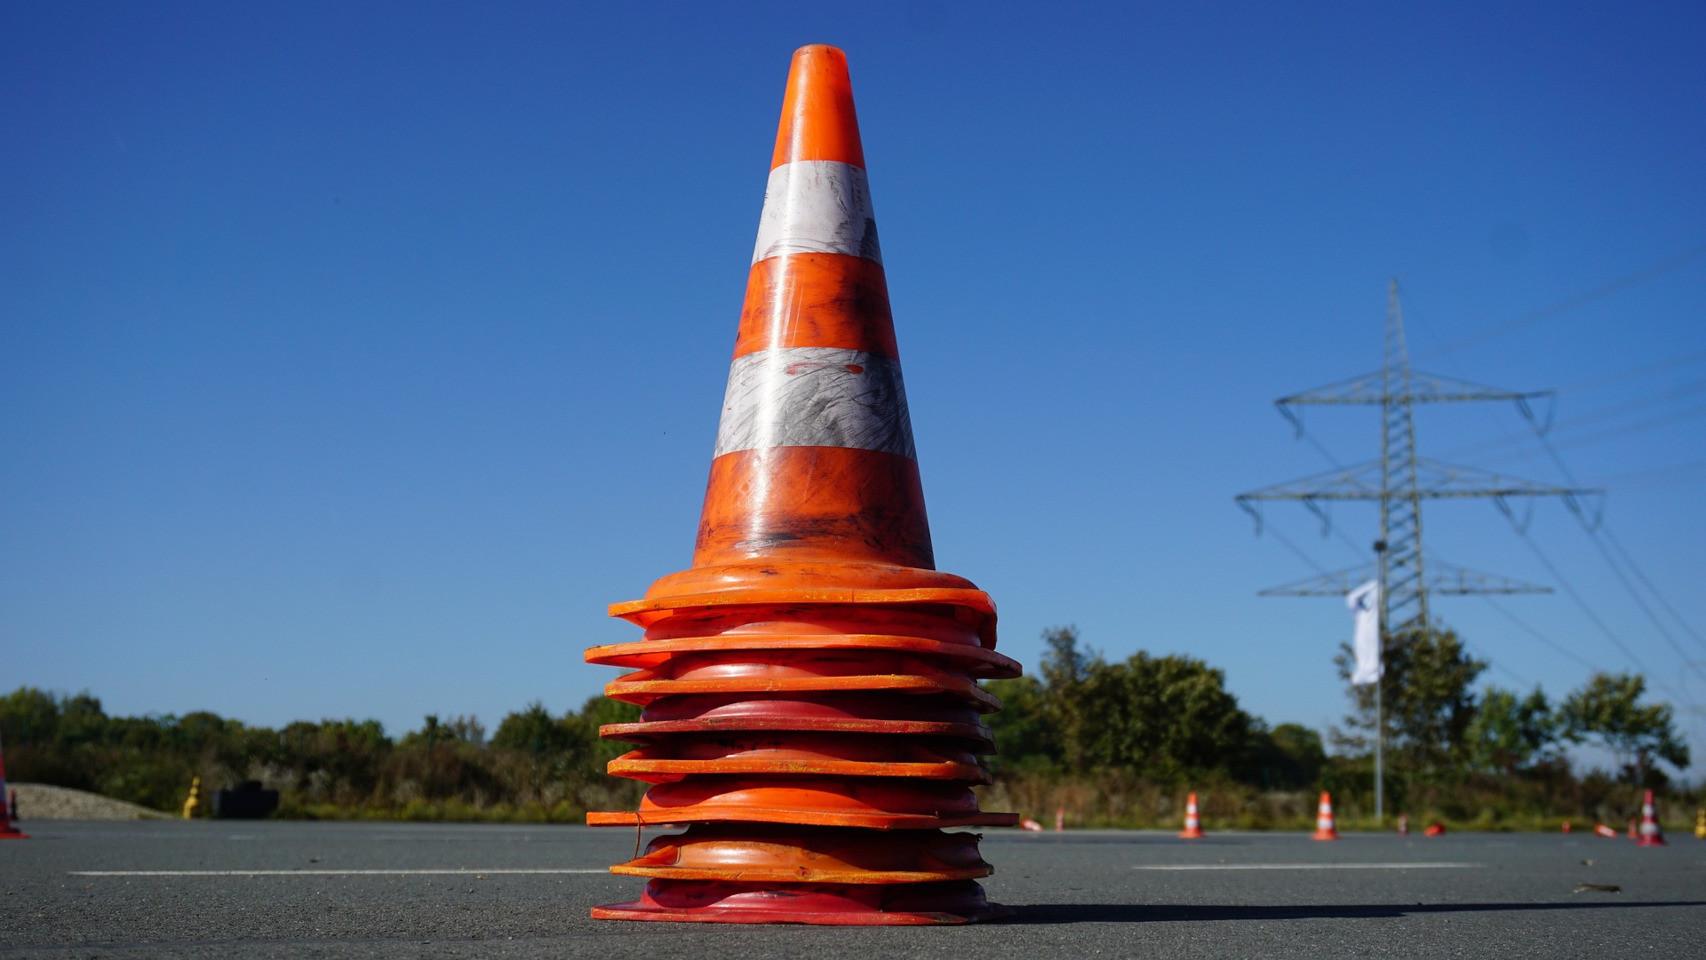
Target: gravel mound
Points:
(38, 801)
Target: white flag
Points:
(1364, 602)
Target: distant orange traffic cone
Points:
(1651, 835)
(1601, 830)
(810, 705)
(1193, 823)
(1634, 829)
(1434, 829)
(8, 805)
(1059, 819)
(1566, 827)
(1403, 824)
(1325, 827)
(1030, 826)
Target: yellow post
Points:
(192, 803)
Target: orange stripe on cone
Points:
(816, 300)
(808, 686)
(814, 503)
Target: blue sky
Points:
(355, 357)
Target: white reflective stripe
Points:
(447, 872)
(817, 206)
(815, 397)
(1444, 865)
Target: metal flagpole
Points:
(1379, 681)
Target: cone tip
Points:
(812, 49)
(818, 122)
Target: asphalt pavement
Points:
(233, 889)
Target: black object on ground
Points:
(247, 801)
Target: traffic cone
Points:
(1601, 830)
(810, 706)
(8, 806)
(1030, 826)
(1434, 829)
(1403, 824)
(1634, 829)
(1059, 819)
(1566, 828)
(1651, 835)
(1193, 822)
(192, 803)
(1325, 827)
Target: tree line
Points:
(1453, 749)
(534, 766)
(1113, 741)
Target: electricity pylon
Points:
(1399, 480)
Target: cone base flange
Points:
(909, 905)
(638, 910)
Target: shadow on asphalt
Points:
(1162, 913)
(1112, 839)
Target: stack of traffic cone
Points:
(811, 710)
(1325, 826)
(8, 806)
(1651, 835)
(1193, 823)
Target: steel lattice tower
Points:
(1399, 480)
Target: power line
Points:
(1578, 421)
(1604, 290)
(1529, 629)
(1620, 431)
(1657, 594)
(1629, 373)
(1655, 474)
(1594, 534)
(1299, 551)
(1575, 595)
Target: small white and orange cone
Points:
(1601, 830)
(8, 806)
(1326, 828)
(1651, 835)
(1403, 824)
(1193, 822)
(1059, 819)
(1030, 826)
